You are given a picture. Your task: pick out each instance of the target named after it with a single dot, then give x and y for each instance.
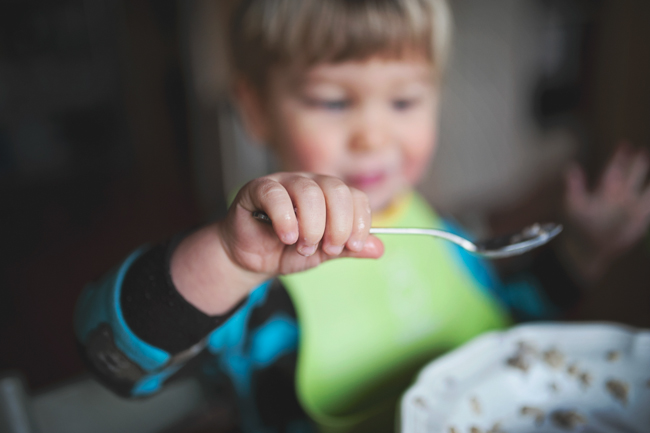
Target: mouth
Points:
(366, 181)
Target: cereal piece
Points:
(453, 430)
(518, 361)
(554, 358)
(572, 369)
(568, 419)
(526, 348)
(585, 379)
(475, 430)
(618, 389)
(496, 428)
(529, 410)
(536, 413)
(613, 355)
(476, 405)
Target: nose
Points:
(370, 131)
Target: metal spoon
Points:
(525, 240)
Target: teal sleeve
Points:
(100, 304)
(120, 360)
(125, 362)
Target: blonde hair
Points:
(303, 33)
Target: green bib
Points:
(367, 326)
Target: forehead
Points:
(376, 71)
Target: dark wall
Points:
(93, 161)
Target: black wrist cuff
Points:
(155, 311)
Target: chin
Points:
(379, 203)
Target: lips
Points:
(366, 181)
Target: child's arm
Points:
(606, 222)
(137, 328)
(315, 218)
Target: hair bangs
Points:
(302, 33)
(338, 31)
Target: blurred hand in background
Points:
(606, 221)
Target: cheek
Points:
(418, 153)
(305, 144)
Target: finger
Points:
(295, 262)
(309, 201)
(612, 182)
(373, 248)
(270, 196)
(340, 214)
(577, 196)
(361, 221)
(638, 172)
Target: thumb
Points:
(372, 249)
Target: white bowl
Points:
(548, 377)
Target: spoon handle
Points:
(464, 243)
(503, 246)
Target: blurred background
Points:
(116, 130)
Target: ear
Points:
(252, 110)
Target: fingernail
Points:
(290, 238)
(356, 246)
(334, 250)
(307, 250)
(369, 246)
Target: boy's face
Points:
(370, 123)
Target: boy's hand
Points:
(315, 218)
(606, 222)
(216, 266)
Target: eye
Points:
(334, 105)
(404, 104)
(328, 104)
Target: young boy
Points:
(346, 94)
